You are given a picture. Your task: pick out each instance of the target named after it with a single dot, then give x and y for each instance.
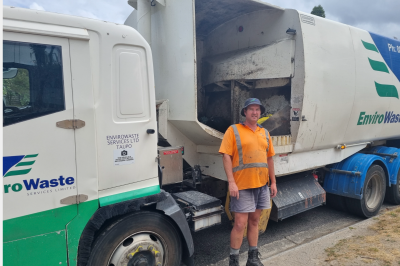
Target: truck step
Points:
(201, 210)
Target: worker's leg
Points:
(238, 229)
(252, 228)
(241, 207)
(262, 199)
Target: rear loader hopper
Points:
(219, 54)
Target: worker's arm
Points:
(233, 189)
(271, 171)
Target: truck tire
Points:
(393, 192)
(336, 202)
(143, 238)
(373, 194)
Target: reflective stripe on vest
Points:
(241, 165)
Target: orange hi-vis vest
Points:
(249, 150)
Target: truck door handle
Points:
(150, 131)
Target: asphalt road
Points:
(212, 244)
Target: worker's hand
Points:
(233, 190)
(274, 190)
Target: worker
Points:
(247, 157)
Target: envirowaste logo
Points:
(22, 165)
(388, 117)
(19, 165)
(383, 90)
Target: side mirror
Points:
(9, 73)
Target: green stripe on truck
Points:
(38, 223)
(370, 46)
(18, 172)
(134, 194)
(378, 66)
(75, 228)
(384, 90)
(31, 156)
(25, 163)
(45, 249)
(43, 234)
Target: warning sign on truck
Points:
(171, 152)
(123, 156)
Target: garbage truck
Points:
(111, 132)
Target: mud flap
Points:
(171, 208)
(296, 194)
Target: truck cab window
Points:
(32, 81)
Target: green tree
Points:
(17, 88)
(318, 11)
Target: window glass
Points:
(32, 81)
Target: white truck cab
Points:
(79, 124)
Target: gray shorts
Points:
(251, 199)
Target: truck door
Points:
(39, 169)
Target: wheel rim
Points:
(372, 192)
(140, 249)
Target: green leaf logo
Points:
(383, 90)
(21, 167)
(378, 66)
(370, 46)
(386, 90)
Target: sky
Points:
(381, 17)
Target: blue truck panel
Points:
(390, 51)
(351, 185)
(393, 164)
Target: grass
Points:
(380, 245)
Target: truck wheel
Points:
(373, 194)
(393, 192)
(145, 238)
(336, 202)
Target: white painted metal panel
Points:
(259, 28)
(366, 98)
(116, 131)
(266, 62)
(339, 85)
(130, 84)
(44, 29)
(215, 165)
(173, 47)
(55, 147)
(85, 140)
(129, 187)
(303, 161)
(330, 84)
(174, 51)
